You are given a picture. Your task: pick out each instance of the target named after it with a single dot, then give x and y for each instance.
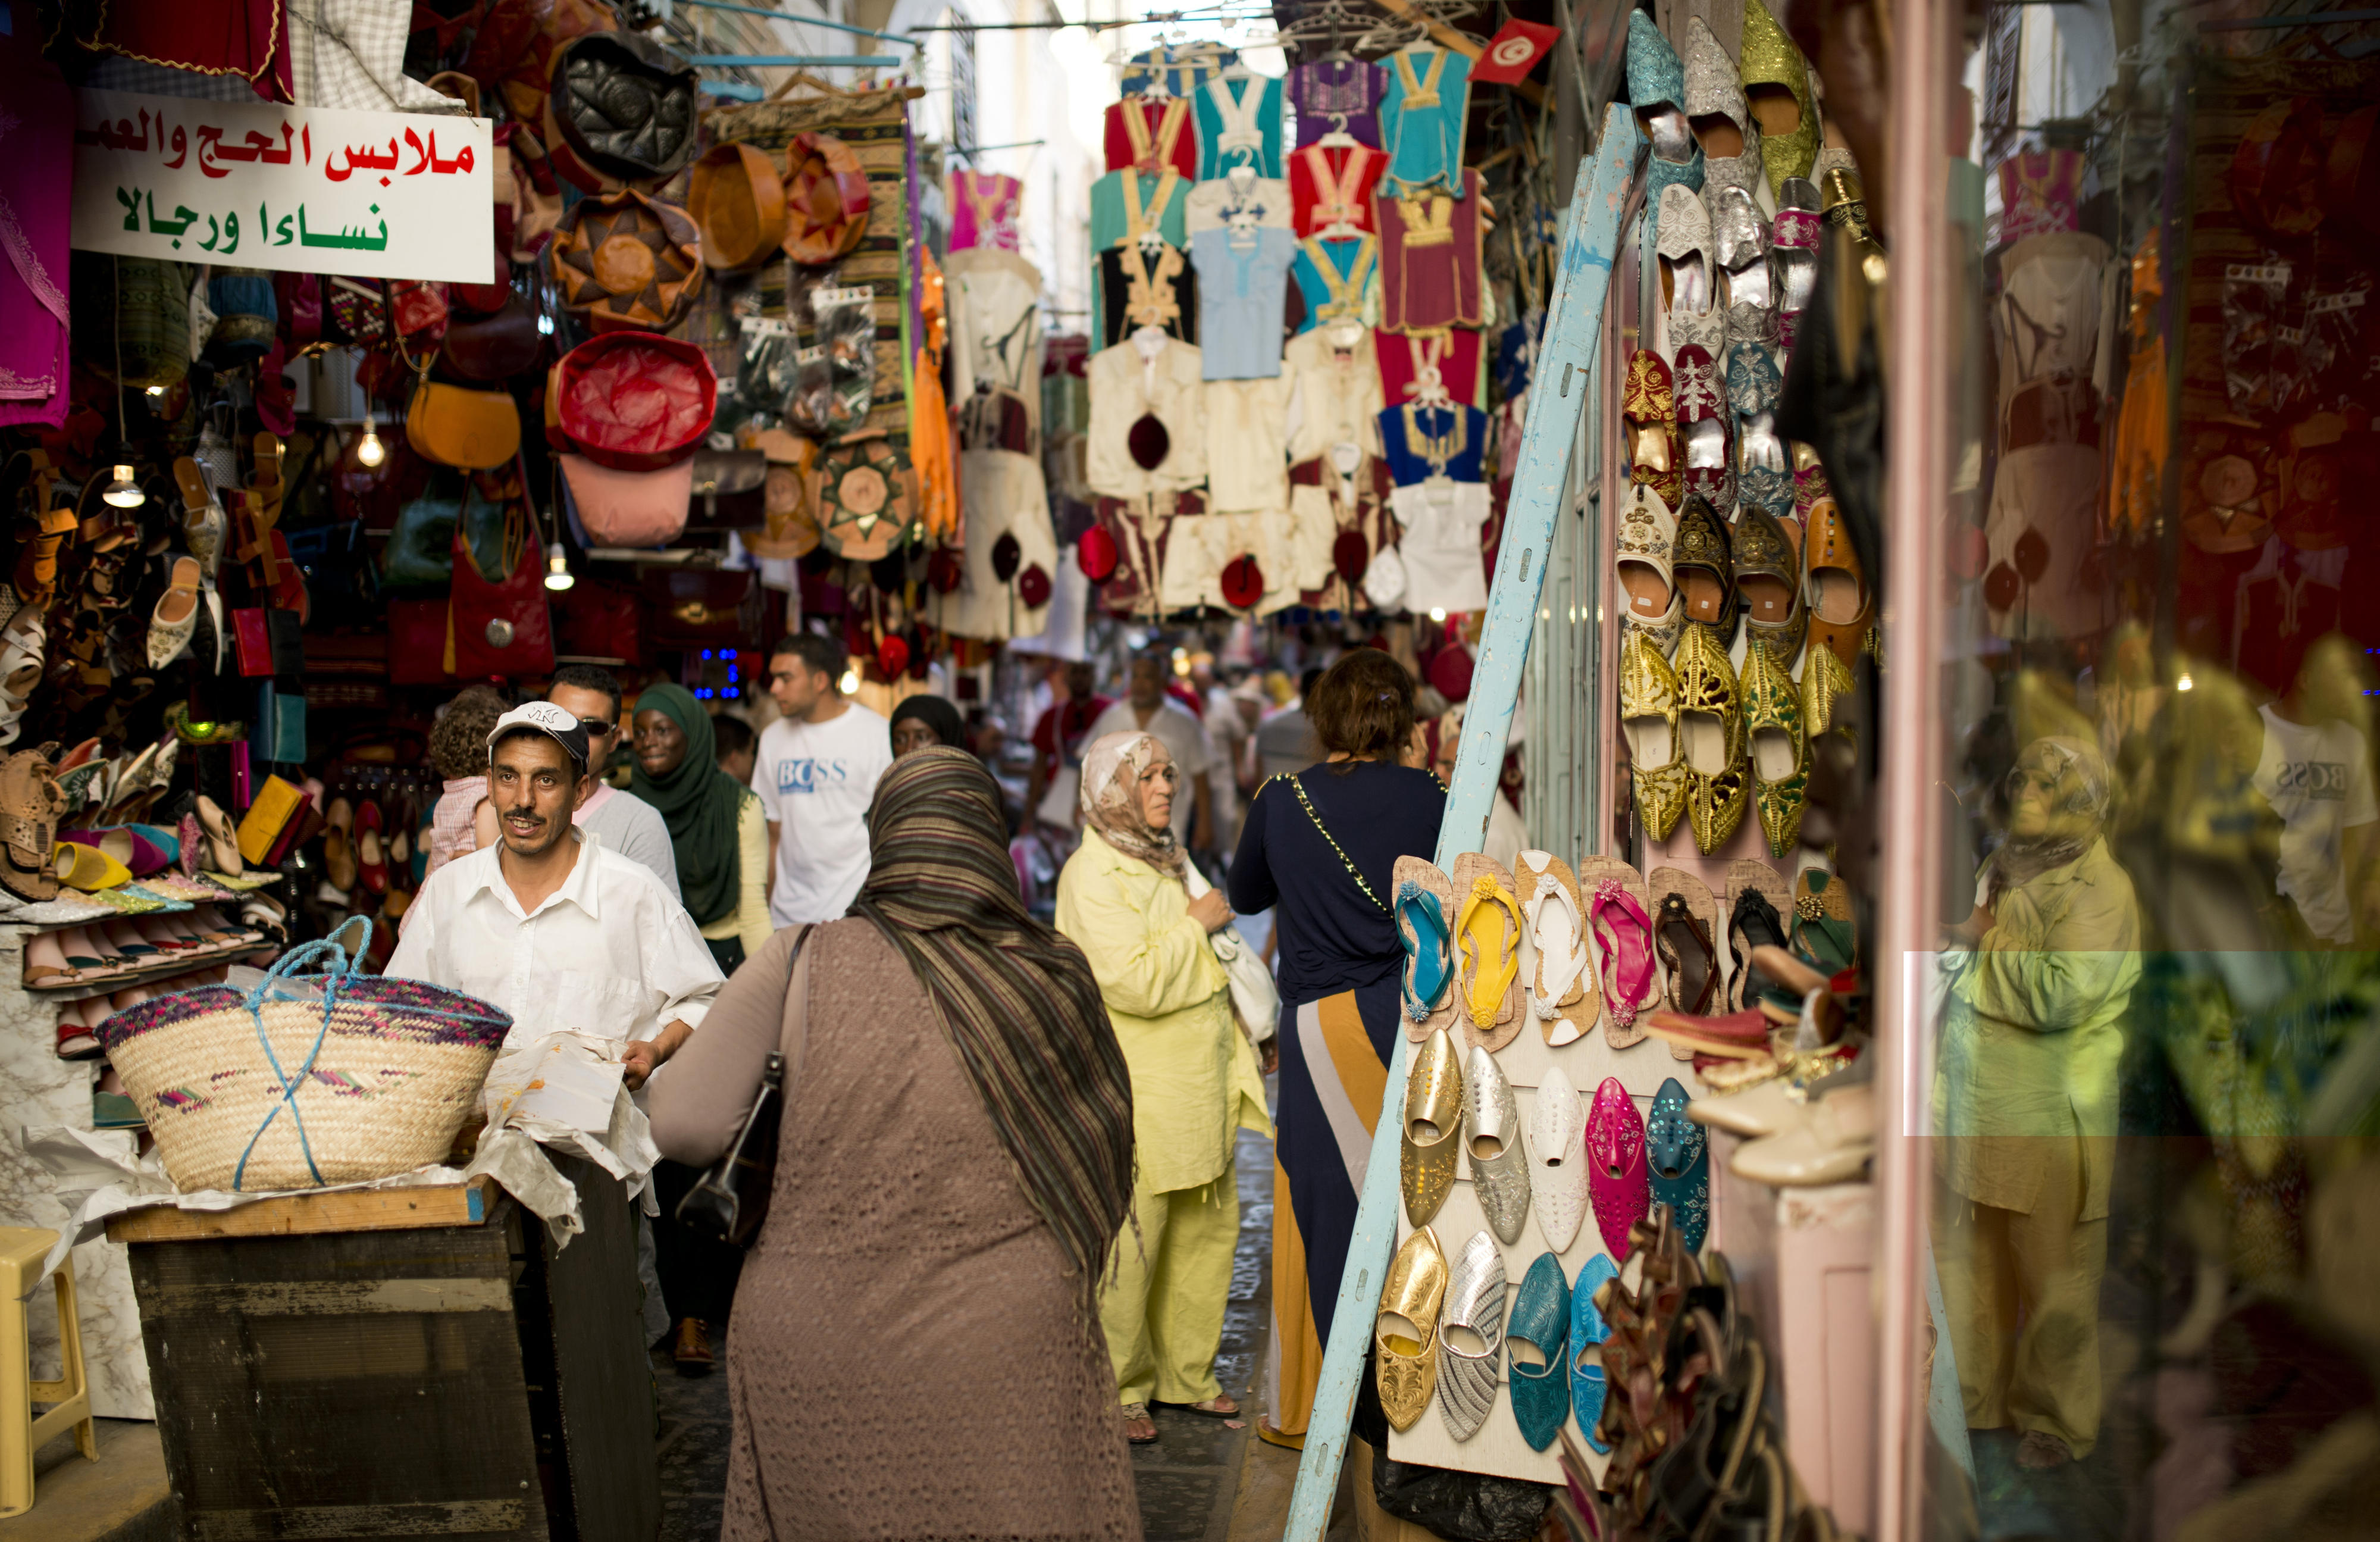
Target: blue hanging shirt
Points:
(1243, 281)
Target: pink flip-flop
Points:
(1616, 1175)
(1619, 930)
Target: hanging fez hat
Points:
(945, 571)
(624, 105)
(1006, 554)
(1449, 671)
(826, 199)
(1033, 587)
(1148, 441)
(1244, 582)
(625, 261)
(737, 200)
(1095, 554)
(1350, 554)
(891, 654)
(636, 401)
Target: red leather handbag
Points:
(636, 401)
(499, 622)
(418, 308)
(300, 303)
(417, 643)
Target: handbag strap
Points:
(1352, 871)
(793, 1034)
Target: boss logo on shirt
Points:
(2324, 781)
(809, 774)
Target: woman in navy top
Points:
(1322, 863)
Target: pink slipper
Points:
(1616, 1175)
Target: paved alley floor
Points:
(1189, 1481)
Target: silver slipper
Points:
(1471, 1337)
(1491, 1138)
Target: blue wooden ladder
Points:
(1557, 397)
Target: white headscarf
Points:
(1111, 771)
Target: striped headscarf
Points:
(1017, 1000)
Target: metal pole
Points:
(800, 20)
(796, 61)
(1558, 395)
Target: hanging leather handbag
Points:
(730, 490)
(635, 401)
(419, 310)
(736, 196)
(624, 262)
(498, 622)
(626, 106)
(731, 1199)
(496, 346)
(701, 607)
(417, 643)
(299, 297)
(476, 429)
(628, 508)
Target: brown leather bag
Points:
(476, 429)
(495, 346)
(730, 490)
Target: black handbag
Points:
(732, 1198)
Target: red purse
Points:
(500, 624)
(417, 643)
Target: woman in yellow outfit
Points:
(1195, 1080)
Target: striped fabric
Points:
(1017, 1000)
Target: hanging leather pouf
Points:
(624, 262)
(737, 197)
(826, 199)
(863, 500)
(626, 106)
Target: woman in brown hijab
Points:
(916, 1349)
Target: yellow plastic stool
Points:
(22, 1249)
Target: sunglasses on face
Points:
(597, 727)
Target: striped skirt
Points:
(1334, 1068)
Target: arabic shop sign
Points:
(302, 189)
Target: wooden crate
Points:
(417, 1363)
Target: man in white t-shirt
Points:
(2315, 771)
(1148, 708)
(816, 773)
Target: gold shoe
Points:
(1433, 1127)
(1649, 716)
(1778, 754)
(1406, 1334)
(1710, 740)
(1824, 678)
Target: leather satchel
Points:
(730, 490)
(628, 508)
(419, 552)
(731, 1199)
(476, 429)
(495, 345)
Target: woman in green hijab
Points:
(717, 830)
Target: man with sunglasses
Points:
(624, 822)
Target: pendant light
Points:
(557, 568)
(369, 451)
(124, 492)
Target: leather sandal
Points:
(24, 643)
(1620, 925)
(1488, 939)
(1424, 903)
(31, 805)
(1684, 932)
(1565, 994)
(203, 523)
(1756, 900)
(44, 526)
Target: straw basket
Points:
(252, 1090)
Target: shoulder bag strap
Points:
(1324, 831)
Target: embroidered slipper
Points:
(1648, 720)
(1641, 563)
(1616, 1175)
(1487, 939)
(1686, 935)
(1619, 928)
(1404, 1334)
(1757, 901)
(1534, 1338)
(1432, 1130)
(1471, 1337)
(1565, 990)
(1556, 1159)
(1424, 911)
(1648, 411)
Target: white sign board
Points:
(302, 189)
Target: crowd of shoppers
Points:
(637, 863)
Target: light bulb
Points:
(557, 568)
(2185, 682)
(369, 451)
(124, 492)
(850, 681)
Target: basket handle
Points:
(341, 967)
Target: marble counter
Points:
(44, 1089)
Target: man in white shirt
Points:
(628, 823)
(2315, 771)
(549, 925)
(1148, 709)
(816, 773)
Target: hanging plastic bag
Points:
(765, 370)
